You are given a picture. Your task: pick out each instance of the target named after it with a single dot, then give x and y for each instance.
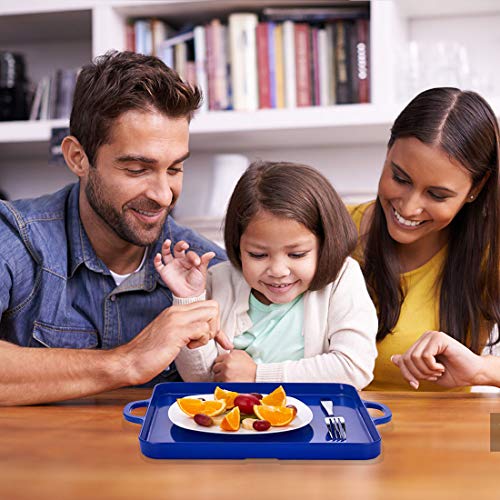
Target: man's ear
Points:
(75, 156)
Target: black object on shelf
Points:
(13, 102)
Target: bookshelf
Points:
(336, 139)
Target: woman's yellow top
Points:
(419, 313)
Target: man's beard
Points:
(116, 220)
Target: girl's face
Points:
(421, 190)
(279, 257)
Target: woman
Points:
(429, 244)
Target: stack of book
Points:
(280, 58)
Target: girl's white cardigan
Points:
(340, 327)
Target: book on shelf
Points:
(130, 35)
(331, 63)
(271, 46)
(200, 58)
(262, 42)
(279, 66)
(324, 69)
(160, 31)
(317, 14)
(36, 105)
(315, 82)
(145, 36)
(54, 95)
(243, 54)
(220, 54)
(173, 50)
(363, 60)
(65, 81)
(303, 64)
(342, 62)
(282, 57)
(289, 64)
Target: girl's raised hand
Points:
(185, 273)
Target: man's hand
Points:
(439, 358)
(160, 342)
(236, 366)
(184, 273)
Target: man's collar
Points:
(80, 248)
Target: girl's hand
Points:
(184, 273)
(236, 366)
(438, 357)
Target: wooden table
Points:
(437, 446)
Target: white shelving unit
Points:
(346, 142)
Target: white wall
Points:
(353, 172)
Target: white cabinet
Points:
(347, 142)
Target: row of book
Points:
(53, 96)
(284, 58)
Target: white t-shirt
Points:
(120, 278)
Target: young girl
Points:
(291, 299)
(430, 244)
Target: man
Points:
(76, 267)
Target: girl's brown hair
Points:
(296, 192)
(464, 126)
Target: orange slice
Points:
(231, 422)
(275, 398)
(227, 396)
(192, 406)
(277, 416)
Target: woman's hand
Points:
(184, 273)
(438, 357)
(236, 366)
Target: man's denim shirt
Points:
(56, 292)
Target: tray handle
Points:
(127, 411)
(386, 417)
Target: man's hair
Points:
(297, 192)
(123, 81)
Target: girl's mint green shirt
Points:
(276, 332)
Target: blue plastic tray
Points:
(159, 438)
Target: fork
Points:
(335, 425)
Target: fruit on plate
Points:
(277, 416)
(246, 402)
(261, 425)
(231, 410)
(192, 406)
(275, 398)
(247, 423)
(203, 420)
(253, 424)
(227, 396)
(231, 422)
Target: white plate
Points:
(178, 417)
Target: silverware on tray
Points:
(335, 424)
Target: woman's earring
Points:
(471, 197)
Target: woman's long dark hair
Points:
(464, 126)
